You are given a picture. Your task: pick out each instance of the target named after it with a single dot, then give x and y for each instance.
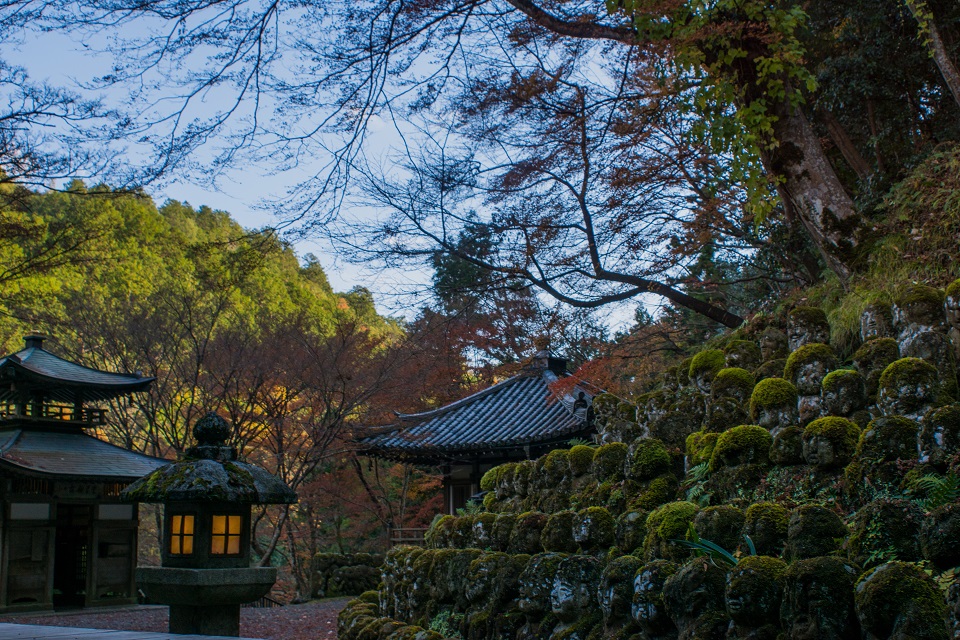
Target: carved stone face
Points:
(951, 306)
(787, 448)
(648, 609)
(910, 398)
(810, 375)
(845, 397)
(801, 333)
(818, 451)
(876, 321)
(695, 589)
(536, 582)
(753, 592)
(940, 435)
(818, 600)
(575, 587)
(482, 580)
(777, 417)
(615, 592)
(773, 345)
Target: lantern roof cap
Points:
(210, 472)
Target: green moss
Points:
(502, 529)
(733, 382)
(557, 463)
(742, 353)
(885, 529)
(631, 530)
(767, 523)
(887, 439)
(581, 459)
(722, 525)
(787, 447)
(665, 525)
(842, 434)
(489, 480)
(525, 537)
(707, 364)
(953, 289)
(939, 535)
(700, 447)
(772, 392)
(439, 534)
(810, 317)
(605, 406)
(683, 371)
(814, 531)
(804, 580)
(770, 369)
(658, 491)
(837, 379)
(746, 444)
(908, 372)
(490, 501)
(807, 354)
(608, 462)
(557, 534)
(898, 595)
(648, 458)
(921, 301)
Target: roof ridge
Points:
(473, 397)
(32, 350)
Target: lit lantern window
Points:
(181, 535)
(225, 535)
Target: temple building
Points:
(66, 539)
(517, 419)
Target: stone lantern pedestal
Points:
(205, 573)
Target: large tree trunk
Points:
(812, 192)
(938, 51)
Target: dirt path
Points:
(315, 620)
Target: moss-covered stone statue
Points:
(766, 524)
(594, 529)
(919, 308)
(897, 600)
(773, 345)
(844, 394)
(787, 447)
(694, 599)
(648, 608)
(807, 325)
(814, 531)
(743, 354)
(951, 307)
(525, 537)
(721, 524)
(615, 593)
(818, 600)
(806, 369)
(876, 321)
(883, 529)
(940, 436)
(753, 594)
(939, 535)
(872, 358)
(908, 387)
(773, 404)
(830, 443)
(535, 583)
(665, 526)
(573, 597)
(704, 367)
(631, 530)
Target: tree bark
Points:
(846, 146)
(811, 190)
(938, 51)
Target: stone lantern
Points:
(205, 573)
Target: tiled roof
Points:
(61, 378)
(518, 412)
(72, 454)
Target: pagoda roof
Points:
(61, 379)
(510, 416)
(72, 454)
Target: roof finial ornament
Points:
(212, 433)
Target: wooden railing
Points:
(407, 535)
(68, 413)
(262, 603)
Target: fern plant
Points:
(695, 484)
(936, 490)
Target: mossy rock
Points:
(772, 393)
(900, 598)
(807, 354)
(525, 537)
(594, 528)
(939, 536)
(754, 591)
(683, 371)
(887, 439)
(872, 358)
(581, 459)
(650, 495)
(842, 434)
(631, 530)
(462, 534)
(673, 428)
(556, 464)
(787, 447)
(770, 369)
(440, 533)
(700, 447)
(490, 502)
(557, 534)
(743, 354)
(608, 462)
(696, 591)
(733, 382)
(767, 524)
(818, 595)
(814, 531)
(706, 364)
(502, 530)
(647, 458)
(722, 525)
(746, 444)
(921, 304)
(809, 317)
(723, 413)
(885, 529)
(483, 525)
(665, 526)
